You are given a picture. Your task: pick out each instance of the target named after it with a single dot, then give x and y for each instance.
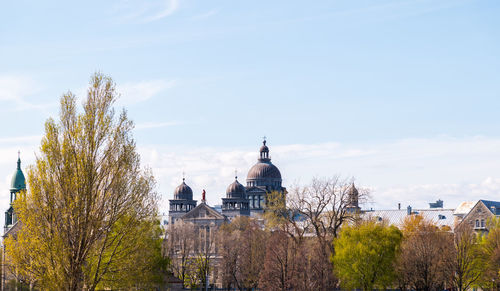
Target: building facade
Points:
(262, 178)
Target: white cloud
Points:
(169, 7)
(411, 171)
(205, 15)
(16, 90)
(145, 11)
(135, 92)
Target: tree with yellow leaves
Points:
(89, 215)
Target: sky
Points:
(401, 96)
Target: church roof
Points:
(18, 182)
(264, 169)
(235, 190)
(183, 191)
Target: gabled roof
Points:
(492, 206)
(210, 213)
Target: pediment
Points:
(203, 211)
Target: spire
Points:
(19, 160)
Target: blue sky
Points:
(402, 95)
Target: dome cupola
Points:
(264, 152)
(235, 190)
(18, 182)
(264, 173)
(183, 191)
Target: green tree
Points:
(464, 264)
(89, 214)
(365, 254)
(489, 250)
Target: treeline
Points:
(419, 256)
(314, 241)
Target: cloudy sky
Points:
(403, 96)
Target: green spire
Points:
(18, 180)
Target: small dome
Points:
(18, 181)
(264, 170)
(353, 191)
(353, 196)
(235, 190)
(183, 191)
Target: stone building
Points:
(478, 216)
(182, 203)
(263, 178)
(236, 202)
(204, 221)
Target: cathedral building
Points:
(263, 178)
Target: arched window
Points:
(477, 222)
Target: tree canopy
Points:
(89, 215)
(364, 255)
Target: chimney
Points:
(399, 206)
(408, 210)
(203, 196)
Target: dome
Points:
(264, 170)
(235, 190)
(353, 196)
(183, 191)
(353, 191)
(18, 181)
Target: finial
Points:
(264, 140)
(235, 174)
(18, 160)
(183, 176)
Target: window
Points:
(441, 216)
(482, 223)
(477, 222)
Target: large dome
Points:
(235, 190)
(18, 181)
(264, 170)
(183, 191)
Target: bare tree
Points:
(243, 252)
(279, 265)
(180, 247)
(425, 254)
